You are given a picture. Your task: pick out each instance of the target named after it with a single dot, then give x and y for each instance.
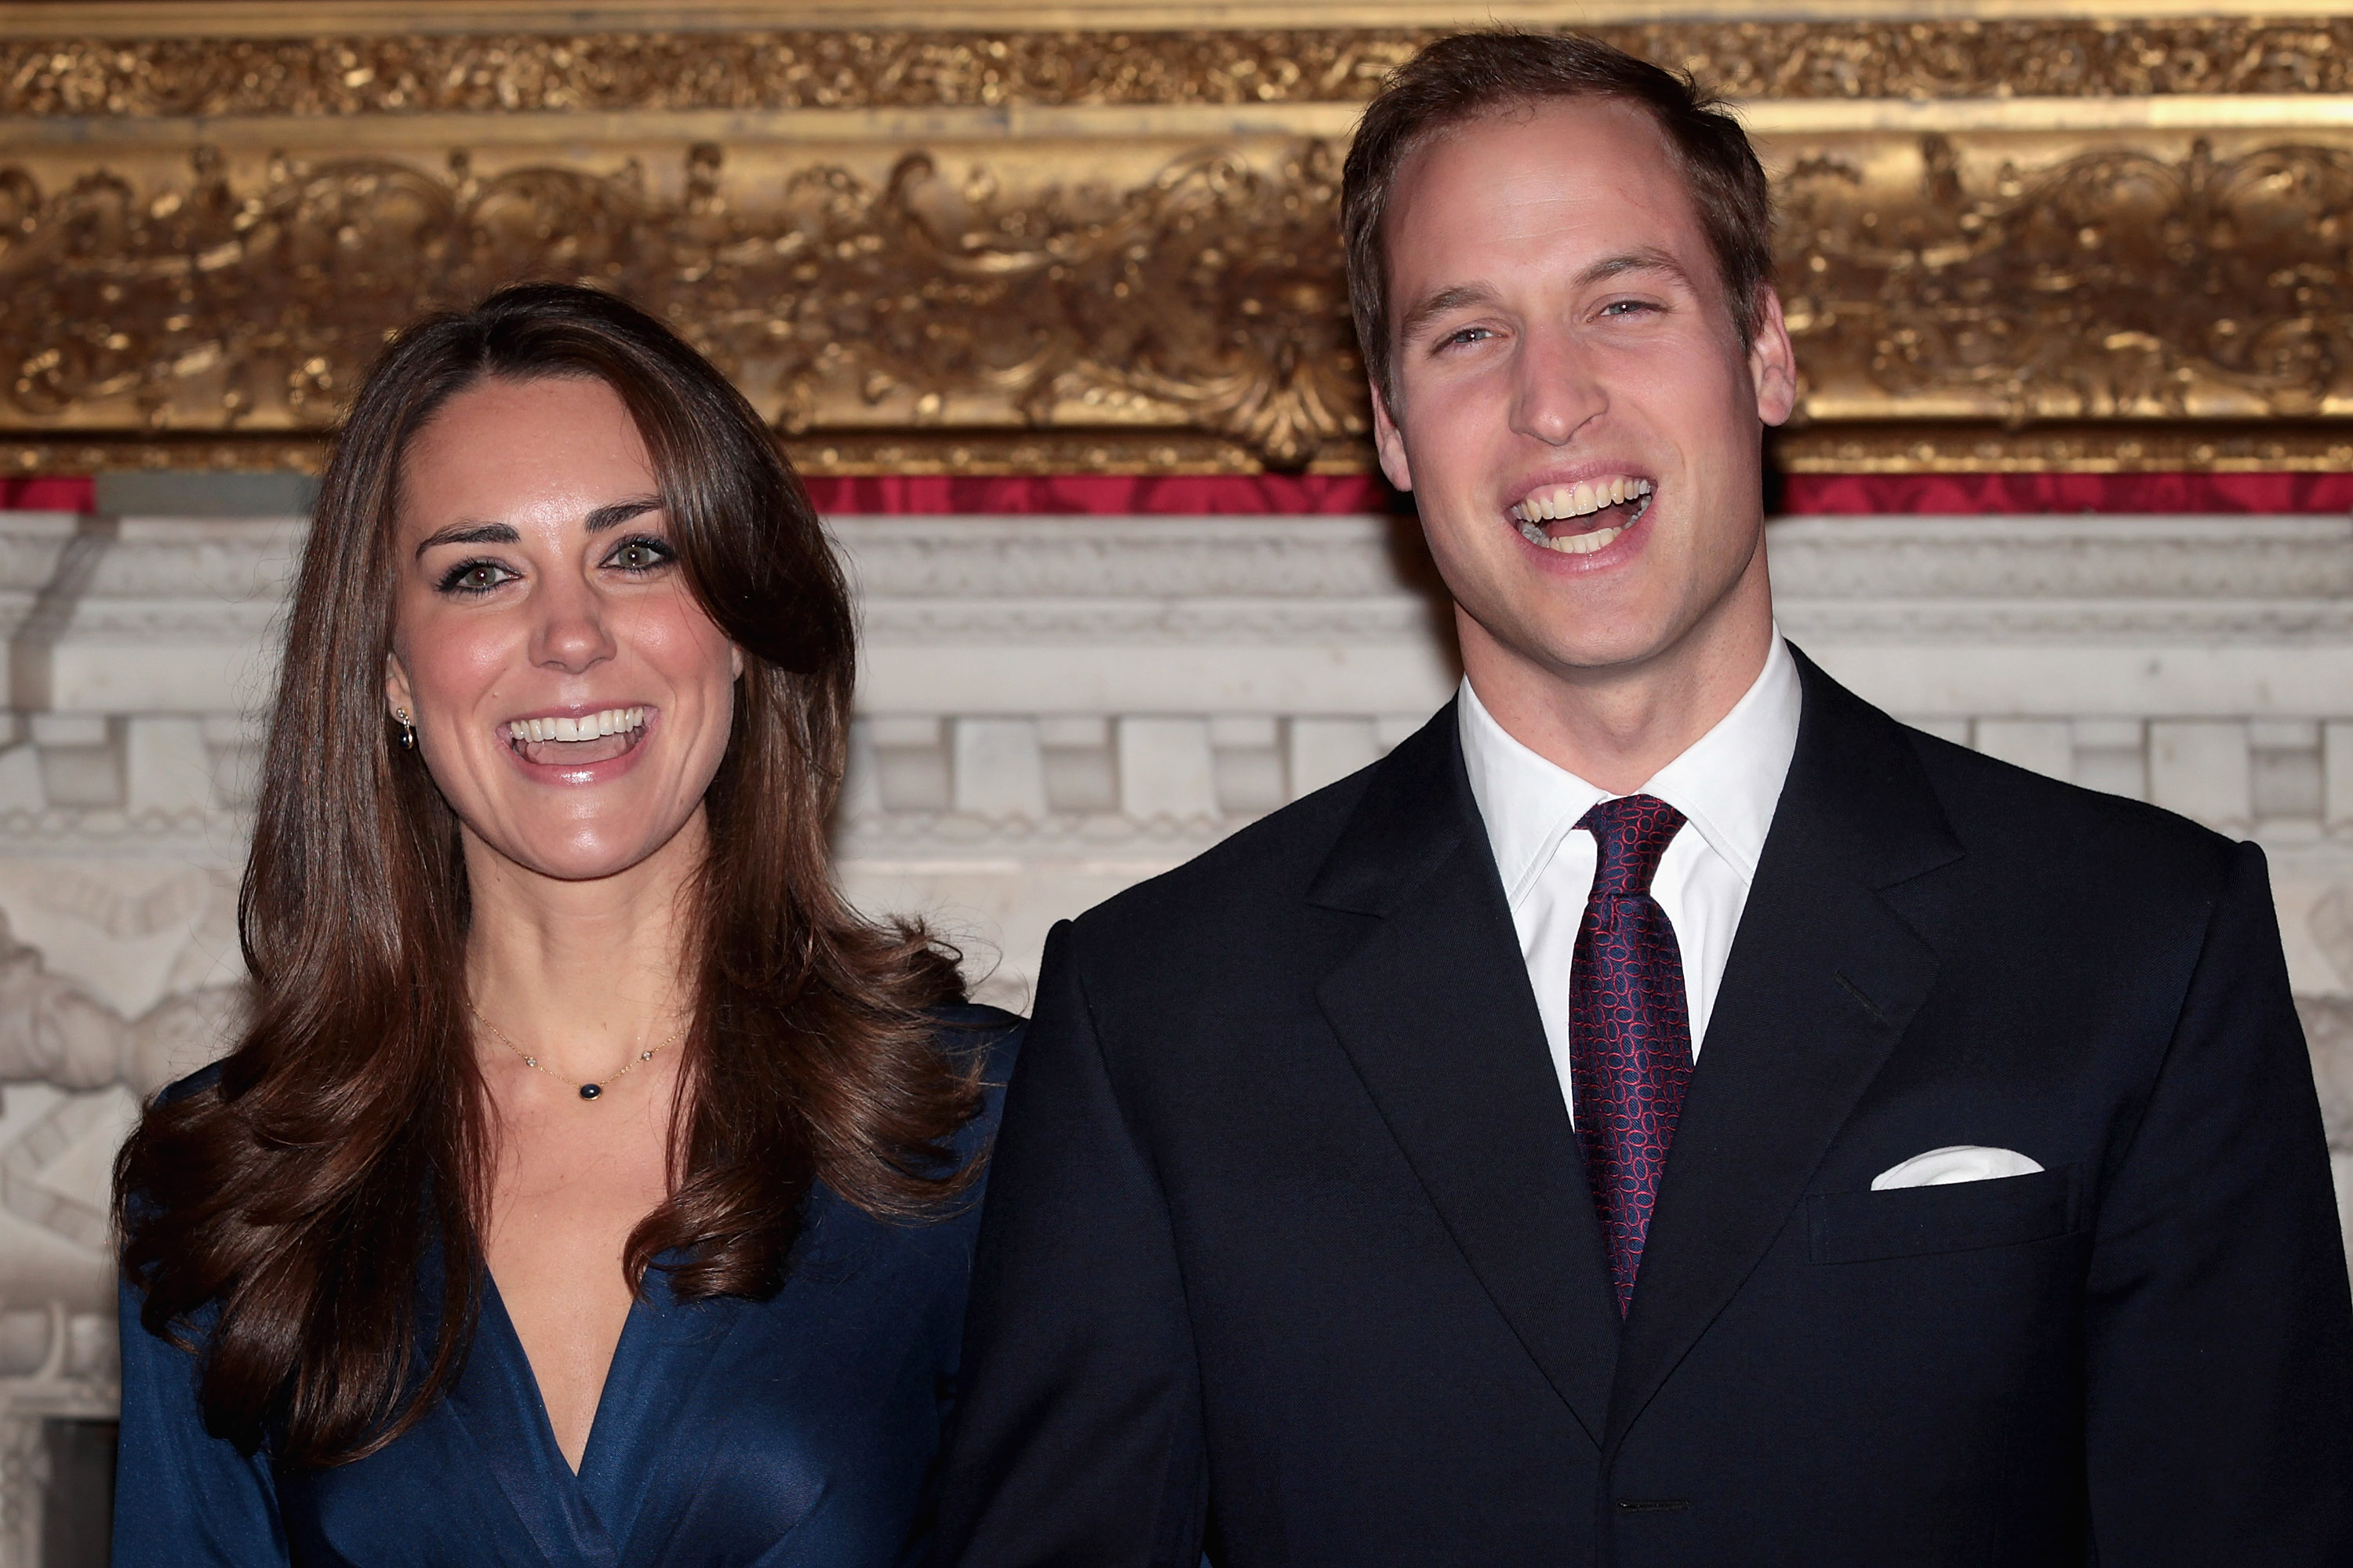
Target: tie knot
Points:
(1633, 832)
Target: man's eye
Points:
(1622, 308)
(474, 577)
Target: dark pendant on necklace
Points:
(590, 1091)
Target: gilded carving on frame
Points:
(899, 289)
(636, 72)
(1207, 297)
(2154, 282)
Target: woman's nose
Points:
(571, 634)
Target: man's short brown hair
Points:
(1471, 74)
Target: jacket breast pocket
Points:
(1907, 1222)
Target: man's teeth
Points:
(1582, 498)
(588, 726)
(1583, 543)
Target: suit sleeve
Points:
(183, 1497)
(2219, 1339)
(1077, 1440)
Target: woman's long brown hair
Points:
(279, 1218)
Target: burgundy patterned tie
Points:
(1630, 1052)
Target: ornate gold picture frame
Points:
(999, 238)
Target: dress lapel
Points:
(497, 1401)
(658, 1428)
(1823, 977)
(1435, 1010)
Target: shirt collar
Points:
(1726, 783)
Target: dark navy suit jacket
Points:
(1289, 1253)
(799, 1432)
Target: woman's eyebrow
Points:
(602, 518)
(468, 533)
(620, 511)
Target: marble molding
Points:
(1052, 708)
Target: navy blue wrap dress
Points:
(800, 1430)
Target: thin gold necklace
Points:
(588, 1091)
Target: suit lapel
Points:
(1823, 977)
(1435, 1010)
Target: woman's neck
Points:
(581, 975)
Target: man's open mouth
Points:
(564, 741)
(1580, 518)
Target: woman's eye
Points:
(638, 555)
(474, 577)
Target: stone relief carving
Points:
(53, 1363)
(789, 69)
(53, 1032)
(2328, 1020)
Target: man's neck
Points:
(1617, 727)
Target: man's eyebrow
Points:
(1432, 306)
(468, 533)
(620, 511)
(1646, 260)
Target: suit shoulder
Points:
(1999, 807)
(1273, 858)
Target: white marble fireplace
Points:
(1052, 708)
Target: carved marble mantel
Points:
(1052, 708)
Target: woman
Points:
(556, 1206)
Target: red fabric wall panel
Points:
(1852, 495)
(1275, 495)
(48, 493)
(1169, 495)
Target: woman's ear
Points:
(399, 702)
(736, 661)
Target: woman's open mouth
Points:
(576, 742)
(1578, 519)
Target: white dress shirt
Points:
(1725, 785)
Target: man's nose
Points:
(571, 635)
(1556, 391)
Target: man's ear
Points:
(1772, 362)
(1389, 441)
(397, 697)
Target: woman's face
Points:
(570, 695)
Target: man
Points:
(1666, 1112)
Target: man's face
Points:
(1575, 414)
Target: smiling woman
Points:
(561, 1200)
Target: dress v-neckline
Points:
(586, 1516)
(512, 1345)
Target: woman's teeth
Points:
(588, 726)
(1558, 501)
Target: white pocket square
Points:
(1961, 1162)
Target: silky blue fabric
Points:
(800, 1430)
